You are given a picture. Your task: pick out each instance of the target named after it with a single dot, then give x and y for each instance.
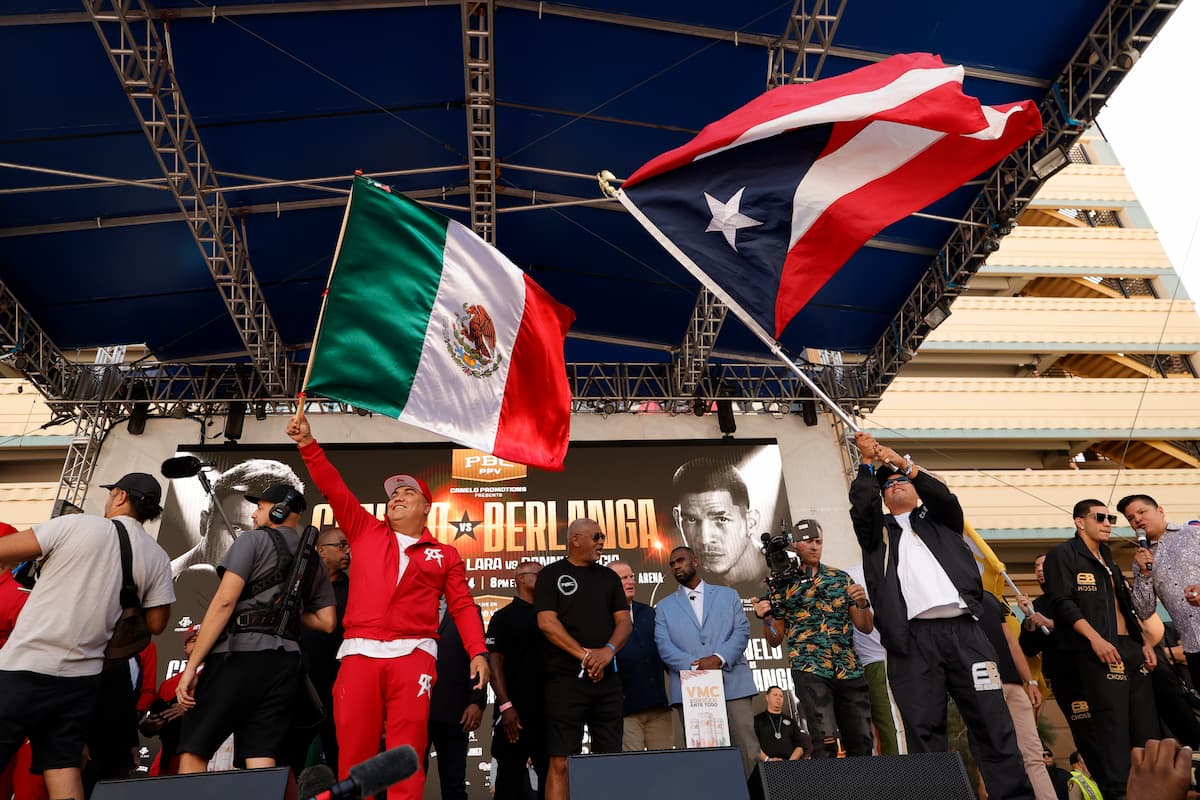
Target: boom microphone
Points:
(182, 467)
(374, 775)
(314, 780)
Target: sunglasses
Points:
(1112, 518)
(343, 546)
(890, 482)
(597, 537)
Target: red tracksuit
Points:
(374, 697)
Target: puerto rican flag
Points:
(766, 204)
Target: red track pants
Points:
(374, 697)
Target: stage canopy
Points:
(174, 172)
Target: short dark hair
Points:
(684, 548)
(780, 688)
(707, 474)
(145, 509)
(1074, 758)
(1133, 498)
(1084, 506)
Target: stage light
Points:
(362, 412)
(989, 246)
(1127, 58)
(938, 314)
(138, 394)
(260, 410)
(725, 418)
(235, 420)
(179, 411)
(699, 406)
(1050, 163)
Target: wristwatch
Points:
(1033, 683)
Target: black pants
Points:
(1193, 661)
(835, 709)
(112, 735)
(1174, 706)
(512, 775)
(1120, 705)
(954, 656)
(450, 741)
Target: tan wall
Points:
(1044, 498)
(1154, 325)
(22, 505)
(1086, 186)
(1041, 404)
(1135, 249)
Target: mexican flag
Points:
(427, 323)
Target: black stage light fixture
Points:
(725, 418)
(235, 420)
(138, 395)
(260, 410)
(699, 406)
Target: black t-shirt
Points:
(585, 599)
(513, 633)
(779, 735)
(994, 614)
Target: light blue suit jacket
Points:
(725, 632)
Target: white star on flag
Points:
(727, 218)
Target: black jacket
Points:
(1033, 642)
(939, 523)
(1079, 588)
(643, 677)
(453, 690)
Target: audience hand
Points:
(1192, 594)
(1162, 770)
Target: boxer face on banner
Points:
(719, 530)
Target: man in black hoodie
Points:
(924, 584)
(1093, 616)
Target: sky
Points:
(1153, 123)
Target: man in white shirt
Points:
(927, 595)
(50, 668)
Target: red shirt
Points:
(377, 607)
(12, 599)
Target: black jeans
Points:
(954, 656)
(835, 709)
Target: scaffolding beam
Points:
(141, 57)
(479, 75)
(799, 55)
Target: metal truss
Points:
(30, 351)
(810, 30)
(91, 425)
(479, 74)
(1074, 100)
(691, 362)
(128, 30)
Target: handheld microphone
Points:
(374, 775)
(1144, 543)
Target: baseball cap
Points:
(806, 530)
(885, 472)
(421, 486)
(279, 493)
(191, 633)
(138, 484)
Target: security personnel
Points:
(1093, 615)
(253, 674)
(1080, 785)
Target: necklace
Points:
(776, 725)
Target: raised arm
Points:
(348, 511)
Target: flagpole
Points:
(606, 180)
(325, 294)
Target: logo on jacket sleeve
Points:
(434, 554)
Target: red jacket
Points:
(377, 607)
(12, 600)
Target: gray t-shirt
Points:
(252, 556)
(70, 615)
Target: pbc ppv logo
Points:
(1085, 582)
(475, 465)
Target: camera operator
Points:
(816, 604)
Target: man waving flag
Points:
(427, 323)
(766, 204)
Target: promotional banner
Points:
(704, 719)
(648, 497)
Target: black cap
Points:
(884, 472)
(138, 484)
(279, 493)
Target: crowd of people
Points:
(373, 641)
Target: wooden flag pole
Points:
(325, 294)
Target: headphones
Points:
(280, 511)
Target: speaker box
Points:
(238, 784)
(705, 772)
(920, 776)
